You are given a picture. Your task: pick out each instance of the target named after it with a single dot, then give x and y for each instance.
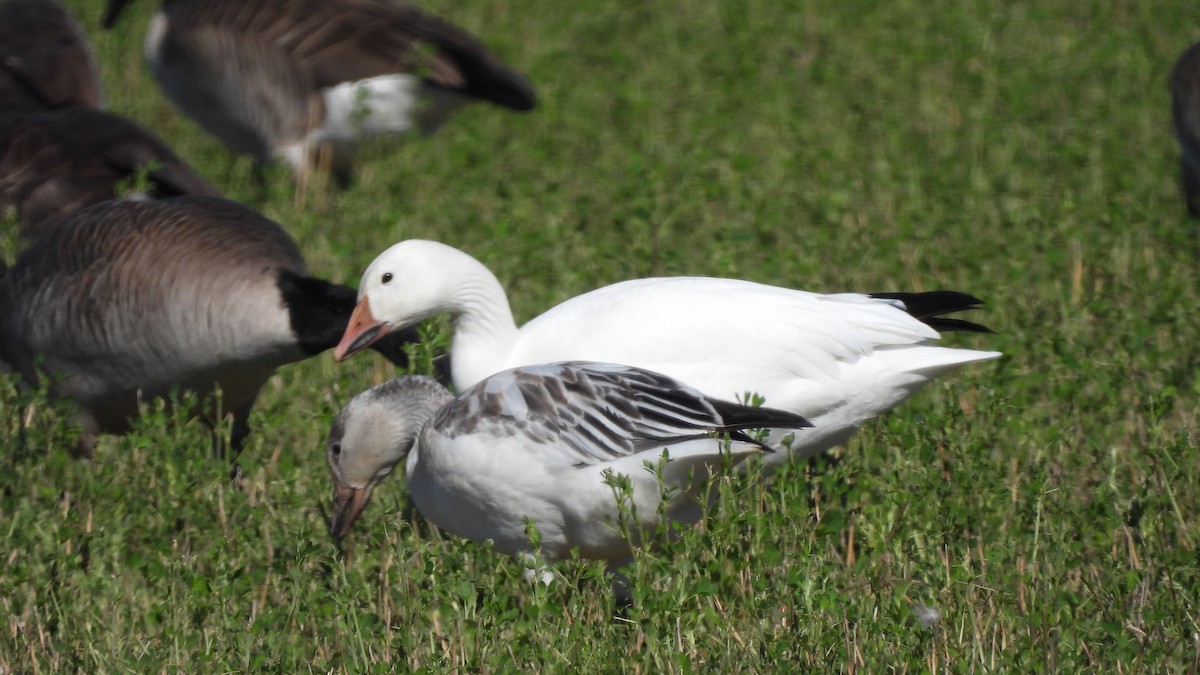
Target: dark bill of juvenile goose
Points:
(538, 443)
(45, 60)
(58, 161)
(125, 301)
(303, 80)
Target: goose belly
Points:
(115, 408)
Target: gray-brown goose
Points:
(1185, 112)
(128, 300)
(58, 161)
(45, 60)
(302, 80)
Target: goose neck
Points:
(484, 330)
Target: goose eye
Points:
(336, 449)
(387, 277)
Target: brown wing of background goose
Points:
(349, 40)
(125, 300)
(45, 60)
(252, 72)
(58, 161)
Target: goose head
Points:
(369, 437)
(407, 283)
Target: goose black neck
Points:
(320, 311)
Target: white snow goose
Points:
(54, 162)
(838, 360)
(126, 300)
(543, 443)
(45, 60)
(303, 80)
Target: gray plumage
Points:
(597, 412)
(258, 73)
(58, 161)
(45, 60)
(124, 301)
(571, 420)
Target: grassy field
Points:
(1047, 506)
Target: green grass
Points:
(1045, 505)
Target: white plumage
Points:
(838, 360)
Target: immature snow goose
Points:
(301, 80)
(1185, 112)
(126, 300)
(58, 161)
(838, 360)
(45, 60)
(539, 443)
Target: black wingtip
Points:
(513, 91)
(486, 77)
(957, 325)
(735, 416)
(501, 86)
(929, 308)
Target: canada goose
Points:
(1185, 113)
(57, 161)
(547, 444)
(838, 360)
(302, 80)
(45, 61)
(125, 300)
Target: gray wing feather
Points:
(589, 413)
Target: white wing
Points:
(802, 351)
(795, 332)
